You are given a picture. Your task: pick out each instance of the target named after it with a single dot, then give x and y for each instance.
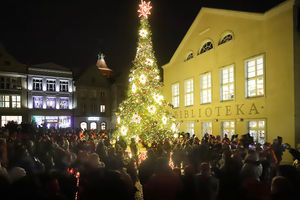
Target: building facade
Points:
(93, 98)
(238, 72)
(13, 89)
(50, 95)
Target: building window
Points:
(257, 130)
(51, 102)
(93, 125)
(2, 82)
(103, 126)
(206, 47)
(190, 56)
(205, 88)
(190, 128)
(255, 76)
(16, 83)
(227, 83)
(175, 95)
(38, 102)
(206, 127)
(226, 38)
(228, 128)
(37, 84)
(189, 92)
(50, 85)
(6, 119)
(64, 102)
(4, 101)
(83, 125)
(64, 86)
(16, 101)
(64, 122)
(102, 108)
(5, 82)
(102, 93)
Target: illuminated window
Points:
(63, 86)
(4, 101)
(6, 119)
(50, 85)
(38, 102)
(175, 95)
(103, 126)
(102, 108)
(16, 101)
(205, 88)
(64, 102)
(189, 92)
(206, 47)
(190, 128)
(93, 125)
(51, 102)
(226, 38)
(206, 127)
(255, 76)
(37, 84)
(83, 125)
(190, 56)
(227, 83)
(257, 130)
(228, 128)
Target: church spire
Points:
(101, 64)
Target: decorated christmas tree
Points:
(144, 114)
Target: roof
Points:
(51, 66)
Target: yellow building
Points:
(238, 72)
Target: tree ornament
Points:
(152, 109)
(143, 79)
(123, 130)
(133, 88)
(136, 118)
(164, 119)
(144, 9)
(143, 33)
(149, 62)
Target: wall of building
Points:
(269, 35)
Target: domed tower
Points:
(101, 64)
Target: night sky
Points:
(72, 33)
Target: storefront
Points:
(6, 119)
(53, 121)
(92, 123)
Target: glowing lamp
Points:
(143, 79)
(143, 33)
(164, 119)
(123, 130)
(133, 88)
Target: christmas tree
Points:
(144, 114)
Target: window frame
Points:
(60, 100)
(255, 58)
(4, 102)
(62, 84)
(228, 83)
(208, 88)
(205, 49)
(229, 128)
(190, 93)
(16, 102)
(102, 108)
(202, 127)
(224, 35)
(190, 127)
(264, 129)
(50, 82)
(40, 82)
(175, 96)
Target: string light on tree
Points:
(149, 62)
(144, 112)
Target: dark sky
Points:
(71, 33)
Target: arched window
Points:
(190, 56)
(93, 125)
(83, 125)
(206, 47)
(103, 126)
(226, 38)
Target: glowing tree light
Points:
(144, 113)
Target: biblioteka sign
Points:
(219, 111)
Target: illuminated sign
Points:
(93, 118)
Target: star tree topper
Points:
(144, 9)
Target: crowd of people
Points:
(39, 163)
